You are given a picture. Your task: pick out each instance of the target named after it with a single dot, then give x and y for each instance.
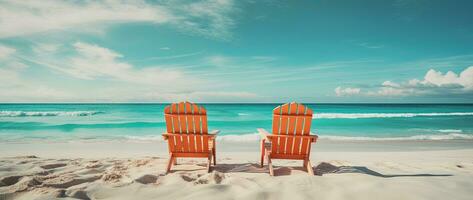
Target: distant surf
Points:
(384, 115)
(47, 113)
(450, 136)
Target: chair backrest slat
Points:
(291, 119)
(291, 127)
(190, 120)
(307, 124)
(298, 130)
(197, 125)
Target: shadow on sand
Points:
(327, 168)
(319, 170)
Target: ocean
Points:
(90, 122)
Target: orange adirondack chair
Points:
(187, 135)
(291, 138)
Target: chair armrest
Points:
(264, 134)
(213, 134)
(166, 135)
(313, 138)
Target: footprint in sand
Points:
(147, 179)
(187, 178)
(25, 183)
(68, 181)
(78, 194)
(212, 178)
(9, 180)
(52, 166)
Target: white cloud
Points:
(390, 84)
(464, 79)
(8, 77)
(46, 48)
(347, 91)
(95, 62)
(24, 18)
(391, 91)
(114, 80)
(14, 88)
(6, 52)
(434, 83)
(8, 58)
(19, 18)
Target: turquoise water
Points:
(66, 122)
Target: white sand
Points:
(130, 170)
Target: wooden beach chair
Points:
(290, 138)
(187, 135)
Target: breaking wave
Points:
(47, 113)
(384, 115)
(450, 136)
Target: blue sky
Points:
(236, 51)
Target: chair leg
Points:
(171, 160)
(270, 166)
(305, 163)
(209, 162)
(262, 153)
(174, 161)
(309, 168)
(214, 156)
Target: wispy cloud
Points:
(93, 64)
(185, 55)
(370, 46)
(6, 52)
(14, 88)
(46, 48)
(8, 58)
(23, 18)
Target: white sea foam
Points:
(231, 138)
(384, 115)
(46, 113)
(242, 114)
(450, 130)
(451, 136)
(145, 138)
(240, 138)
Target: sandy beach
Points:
(135, 170)
(174, 99)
